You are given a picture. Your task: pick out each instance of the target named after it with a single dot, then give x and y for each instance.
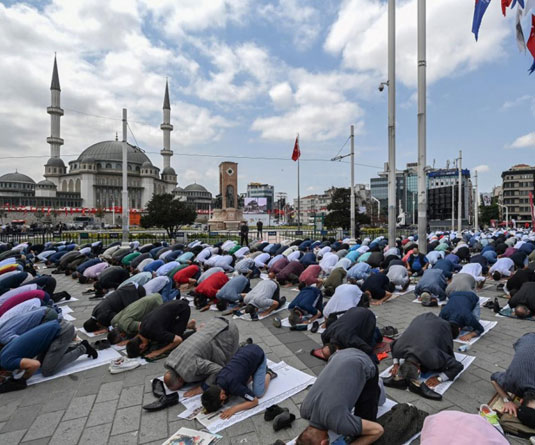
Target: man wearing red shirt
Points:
(207, 290)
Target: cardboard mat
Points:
(289, 382)
(487, 325)
(82, 364)
(247, 317)
(441, 388)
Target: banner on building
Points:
(486, 199)
(255, 205)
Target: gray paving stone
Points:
(126, 420)
(124, 439)
(7, 409)
(109, 391)
(43, 426)
(79, 407)
(102, 413)
(68, 432)
(132, 395)
(153, 426)
(95, 435)
(13, 437)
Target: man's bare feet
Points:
(376, 303)
(192, 324)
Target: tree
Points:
(168, 212)
(340, 211)
(486, 213)
(100, 213)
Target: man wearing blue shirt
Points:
(463, 310)
(307, 306)
(248, 363)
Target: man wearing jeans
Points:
(463, 310)
(248, 363)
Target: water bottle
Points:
(464, 348)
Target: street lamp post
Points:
(392, 123)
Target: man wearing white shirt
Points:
(323, 251)
(225, 262)
(273, 260)
(328, 262)
(294, 256)
(434, 256)
(166, 268)
(241, 252)
(210, 262)
(262, 260)
(344, 298)
(476, 270)
(289, 250)
(203, 255)
(503, 267)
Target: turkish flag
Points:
(531, 40)
(296, 153)
(505, 5)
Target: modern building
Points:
(440, 183)
(313, 206)
(94, 179)
(257, 190)
(518, 184)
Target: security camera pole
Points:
(391, 123)
(422, 183)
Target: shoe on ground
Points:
(10, 384)
(277, 322)
(424, 391)
(123, 364)
(158, 389)
(272, 374)
(273, 411)
(163, 402)
(389, 331)
(101, 344)
(283, 420)
(496, 306)
(392, 382)
(281, 442)
(315, 327)
(254, 316)
(282, 301)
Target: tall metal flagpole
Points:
(391, 122)
(125, 181)
(352, 191)
(298, 187)
(460, 204)
(422, 183)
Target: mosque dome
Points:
(55, 162)
(168, 171)
(16, 177)
(195, 188)
(45, 183)
(113, 151)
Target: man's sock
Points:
(89, 350)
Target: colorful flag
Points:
(505, 5)
(531, 43)
(520, 2)
(479, 11)
(297, 153)
(520, 39)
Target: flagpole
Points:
(298, 196)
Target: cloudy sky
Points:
(246, 76)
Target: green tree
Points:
(339, 208)
(168, 212)
(486, 213)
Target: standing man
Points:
(244, 234)
(259, 227)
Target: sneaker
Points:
(496, 306)
(282, 301)
(123, 364)
(277, 322)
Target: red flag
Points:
(505, 5)
(531, 43)
(296, 153)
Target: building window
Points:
(108, 165)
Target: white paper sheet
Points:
(82, 364)
(66, 310)
(286, 324)
(441, 388)
(289, 382)
(247, 317)
(68, 317)
(68, 301)
(88, 334)
(487, 325)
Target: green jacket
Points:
(129, 319)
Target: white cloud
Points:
(296, 17)
(516, 102)
(483, 168)
(526, 141)
(321, 109)
(282, 95)
(360, 36)
(178, 17)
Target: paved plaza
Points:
(96, 407)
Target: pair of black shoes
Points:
(422, 389)
(10, 384)
(164, 400)
(281, 417)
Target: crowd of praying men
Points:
(145, 294)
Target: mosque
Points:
(94, 179)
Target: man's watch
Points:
(506, 400)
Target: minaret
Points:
(55, 112)
(55, 166)
(168, 174)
